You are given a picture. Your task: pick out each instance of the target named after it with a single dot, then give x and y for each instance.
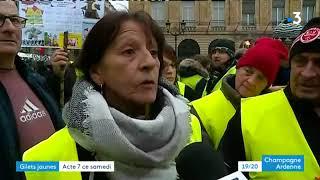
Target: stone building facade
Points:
(195, 24)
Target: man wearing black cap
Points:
(285, 122)
(221, 52)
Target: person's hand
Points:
(59, 61)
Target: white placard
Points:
(47, 19)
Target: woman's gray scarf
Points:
(141, 149)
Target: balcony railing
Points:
(191, 25)
(249, 28)
(218, 28)
(218, 25)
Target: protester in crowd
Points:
(287, 31)
(239, 53)
(28, 113)
(221, 52)
(247, 43)
(194, 75)
(169, 72)
(282, 73)
(205, 61)
(285, 122)
(118, 111)
(61, 68)
(201, 85)
(256, 71)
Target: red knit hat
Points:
(278, 45)
(264, 58)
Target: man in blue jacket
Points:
(28, 114)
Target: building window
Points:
(308, 9)
(217, 13)
(158, 12)
(187, 12)
(277, 11)
(248, 12)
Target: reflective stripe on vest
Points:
(58, 147)
(232, 70)
(196, 130)
(269, 127)
(181, 87)
(79, 73)
(215, 111)
(191, 81)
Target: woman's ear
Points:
(95, 74)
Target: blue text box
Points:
(283, 163)
(37, 166)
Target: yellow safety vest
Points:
(191, 81)
(58, 147)
(232, 70)
(215, 111)
(269, 127)
(181, 87)
(79, 73)
(196, 130)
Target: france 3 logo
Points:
(297, 18)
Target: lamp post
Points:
(176, 31)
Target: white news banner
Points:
(250, 166)
(86, 166)
(234, 176)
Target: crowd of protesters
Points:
(128, 99)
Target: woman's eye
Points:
(128, 52)
(154, 53)
(248, 71)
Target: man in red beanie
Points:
(256, 71)
(285, 122)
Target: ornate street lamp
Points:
(175, 31)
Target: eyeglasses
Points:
(17, 21)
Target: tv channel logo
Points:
(297, 18)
